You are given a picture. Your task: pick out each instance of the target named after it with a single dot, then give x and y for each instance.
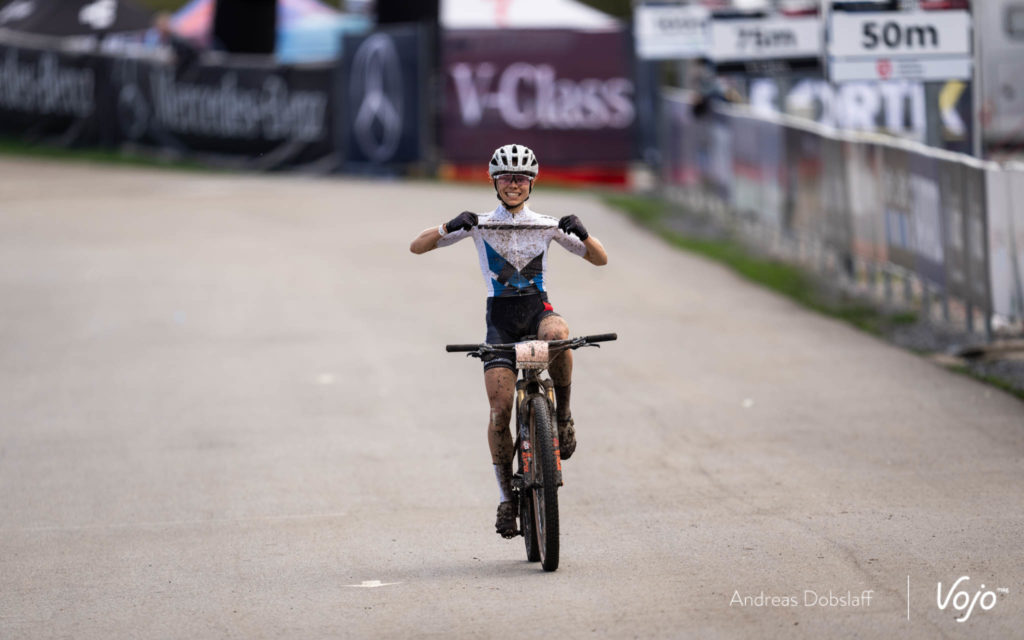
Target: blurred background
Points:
(876, 141)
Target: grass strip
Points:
(12, 147)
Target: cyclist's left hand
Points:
(572, 224)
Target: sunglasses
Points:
(508, 179)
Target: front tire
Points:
(526, 523)
(545, 495)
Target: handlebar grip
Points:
(452, 348)
(602, 337)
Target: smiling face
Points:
(513, 189)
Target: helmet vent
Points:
(514, 158)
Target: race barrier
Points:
(862, 207)
(570, 95)
(238, 111)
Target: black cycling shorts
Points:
(510, 319)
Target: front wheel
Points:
(526, 523)
(545, 492)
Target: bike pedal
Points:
(514, 534)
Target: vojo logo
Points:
(963, 601)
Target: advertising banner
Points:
(1006, 240)
(834, 201)
(383, 76)
(951, 197)
(567, 94)
(867, 222)
(757, 157)
(803, 176)
(898, 207)
(50, 96)
(976, 235)
(265, 117)
(927, 225)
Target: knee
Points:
(501, 414)
(554, 329)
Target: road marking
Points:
(371, 584)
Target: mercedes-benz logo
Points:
(377, 83)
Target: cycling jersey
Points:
(513, 261)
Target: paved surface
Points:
(225, 410)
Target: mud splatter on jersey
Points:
(513, 249)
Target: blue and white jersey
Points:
(514, 261)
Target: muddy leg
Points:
(501, 385)
(555, 328)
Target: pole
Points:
(977, 95)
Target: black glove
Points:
(465, 220)
(572, 224)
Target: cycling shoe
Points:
(566, 438)
(505, 524)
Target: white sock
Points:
(503, 474)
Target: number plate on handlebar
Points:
(532, 355)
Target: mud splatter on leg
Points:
(555, 328)
(501, 384)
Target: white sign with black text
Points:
(671, 32)
(765, 39)
(934, 45)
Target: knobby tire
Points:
(545, 496)
(526, 519)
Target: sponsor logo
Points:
(897, 106)
(528, 96)
(99, 15)
(376, 82)
(963, 601)
(45, 86)
(884, 68)
(17, 10)
(227, 110)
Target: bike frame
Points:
(531, 384)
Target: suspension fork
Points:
(531, 385)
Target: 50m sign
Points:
(895, 35)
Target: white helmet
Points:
(513, 158)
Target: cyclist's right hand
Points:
(465, 220)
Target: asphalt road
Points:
(226, 411)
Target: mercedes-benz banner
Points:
(50, 96)
(567, 94)
(265, 116)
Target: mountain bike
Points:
(535, 484)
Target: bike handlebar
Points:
(571, 343)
